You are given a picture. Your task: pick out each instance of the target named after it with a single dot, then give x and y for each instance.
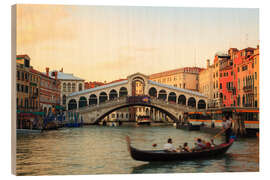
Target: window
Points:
(252, 65)
(64, 99)
(244, 68)
(220, 86)
(18, 75)
(238, 69)
(73, 87)
(64, 87)
(69, 87)
(255, 75)
(231, 73)
(184, 85)
(18, 87)
(80, 87)
(220, 75)
(22, 76)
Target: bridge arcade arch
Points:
(172, 96)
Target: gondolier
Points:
(227, 127)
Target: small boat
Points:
(161, 155)
(189, 127)
(28, 131)
(144, 122)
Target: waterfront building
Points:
(49, 92)
(186, 78)
(206, 82)
(22, 83)
(68, 84)
(119, 115)
(215, 76)
(243, 68)
(34, 89)
(256, 60)
(22, 91)
(28, 84)
(226, 86)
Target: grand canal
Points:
(103, 150)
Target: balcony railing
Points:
(247, 88)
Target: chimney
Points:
(207, 63)
(47, 71)
(55, 75)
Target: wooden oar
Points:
(128, 143)
(218, 134)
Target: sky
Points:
(105, 43)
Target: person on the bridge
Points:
(169, 146)
(227, 127)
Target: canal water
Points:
(103, 150)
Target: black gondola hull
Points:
(160, 155)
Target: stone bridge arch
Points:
(163, 110)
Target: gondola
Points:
(161, 155)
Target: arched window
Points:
(69, 87)
(73, 87)
(82, 102)
(153, 92)
(201, 104)
(102, 97)
(162, 95)
(123, 92)
(64, 87)
(92, 99)
(64, 99)
(191, 102)
(172, 97)
(113, 94)
(80, 87)
(72, 104)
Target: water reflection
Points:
(103, 150)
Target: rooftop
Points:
(65, 76)
(175, 71)
(99, 88)
(176, 88)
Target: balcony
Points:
(34, 96)
(248, 88)
(248, 105)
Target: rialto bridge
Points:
(96, 103)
